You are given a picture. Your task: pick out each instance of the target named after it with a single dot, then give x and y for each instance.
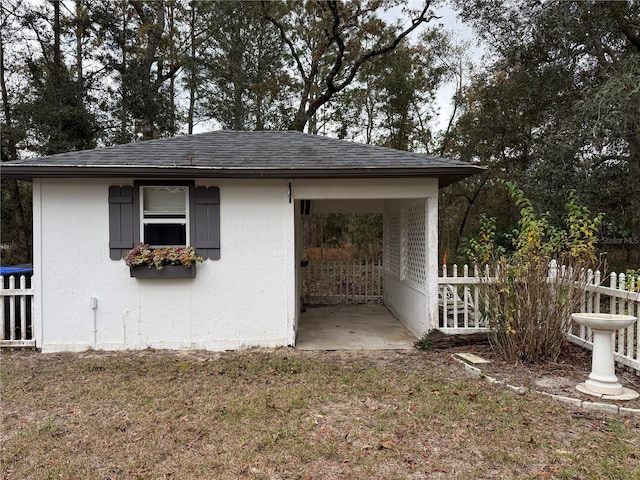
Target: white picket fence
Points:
(334, 283)
(616, 299)
(460, 305)
(461, 308)
(16, 313)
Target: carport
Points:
(409, 209)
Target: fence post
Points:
(12, 309)
(622, 285)
(23, 309)
(357, 267)
(589, 297)
(379, 290)
(596, 297)
(476, 298)
(623, 308)
(553, 270)
(443, 294)
(612, 300)
(2, 309)
(465, 296)
(454, 298)
(334, 278)
(366, 279)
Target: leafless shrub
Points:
(529, 306)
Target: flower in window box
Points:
(144, 255)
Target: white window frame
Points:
(170, 218)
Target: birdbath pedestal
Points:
(602, 381)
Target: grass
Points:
(286, 414)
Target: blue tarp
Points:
(16, 270)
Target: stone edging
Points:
(576, 402)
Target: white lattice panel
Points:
(414, 242)
(392, 243)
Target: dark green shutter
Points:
(120, 221)
(206, 222)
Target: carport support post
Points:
(431, 259)
(294, 248)
(37, 325)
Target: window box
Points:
(168, 271)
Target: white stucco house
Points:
(238, 197)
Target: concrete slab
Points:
(352, 327)
(626, 394)
(471, 358)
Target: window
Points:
(164, 215)
(168, 214)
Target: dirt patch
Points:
(558, 378)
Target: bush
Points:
(528, 306)
(424, 342)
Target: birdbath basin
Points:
(604, 321)
(602, 381)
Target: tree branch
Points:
(285, 38)
(331, 87)
(335, 37)
(415, 23)
(632, 36)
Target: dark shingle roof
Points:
(262, 154)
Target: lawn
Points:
(286, 414)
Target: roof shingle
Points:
(254, 154)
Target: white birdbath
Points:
(602, 381)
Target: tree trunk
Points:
(192, 73)
(22, 253)
(124, 108)
(299, 122)
(57, 60)
(172, 92)
(57, 69)
(80, 29)
(467, 212)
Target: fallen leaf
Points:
(387, 445)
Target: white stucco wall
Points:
(407, 303)
(247, 298)
(416, 307)
(244, 299)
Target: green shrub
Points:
(527, 306)
(632, 280)
(424, 342)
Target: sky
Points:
(449, 20)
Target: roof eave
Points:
(29, 172)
